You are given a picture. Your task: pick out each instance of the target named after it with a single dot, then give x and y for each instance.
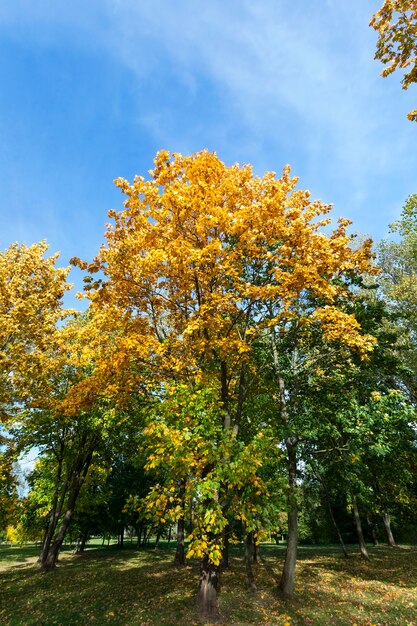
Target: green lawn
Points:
(143, 588)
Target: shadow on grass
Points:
(390, 566)
(10, 554)
(123, 587)
(144, 588)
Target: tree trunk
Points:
(84, 540)
(225, 548)
(372, 528)
(256, 555)
(57, 506)
(286, 585)
(387, 525)
(358, 524)
(207, 591)
(81, 541)
(249, 556)
(332, 517)
(79, 474)
(146, 534)
(339, 534)
(179, 558)
(56, 545)
(76, 549)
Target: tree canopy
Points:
(396, 25)
(240, 365)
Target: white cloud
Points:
(274, 61)
(290, 66)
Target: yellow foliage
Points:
(12, 534)
(396, 25)
(31, 292)
(195, 250)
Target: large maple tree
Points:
(204, 261)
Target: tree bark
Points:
(249, 557)
(256, 555)
(207, 591)
(339, 534)
(139, 534)
(179, 558)
(58, 500)
(332, 517)
(84, 539)
(359, 531)
(79, 475)
(372, 528)
(225, 548)
(386, 519)
(52, 556)
(286, 585)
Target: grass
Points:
(143, 588)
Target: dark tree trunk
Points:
(332, 517)
(146, 535)
(81, 541)
(179, 558)
(77, 546)
(225, 549)
(359, 531)
(372, 528)
(339, 534)
(286, 585)
(256, 554)
(249, 557)
(207, 591)
(121, 537)
(386, 519)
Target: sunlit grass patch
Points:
(144, 588)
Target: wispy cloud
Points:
(302, 66)
(294, 78)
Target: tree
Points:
(398, 262)
(8, 486)
(206, 260)
(396, 25)
(31, 292)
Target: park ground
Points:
(106, 585)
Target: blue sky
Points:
(91, 89)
